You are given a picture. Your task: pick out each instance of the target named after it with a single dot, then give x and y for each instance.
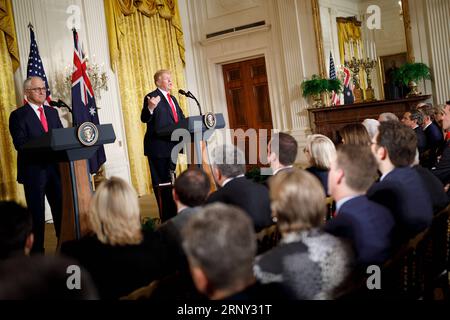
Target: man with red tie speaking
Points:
(39, 177)
(160, 109)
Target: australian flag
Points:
(35, 68)
(84, 108)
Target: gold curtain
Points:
(9, 62)
(144, 36)
(348, 30)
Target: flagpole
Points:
(30, 26)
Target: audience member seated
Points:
(439, 115)
(319, 152)
(367, 224)
(16, 237)
(435, 137)
(414, 120)
(190, 191)
(42, 277)
(387, 116)
(281, 152)
(119, 255)
(442, 170)
(228, 170)
(371, 126)
(355, 133)
(433, 185)
(308, 263)
(400, 187)
(220, 244)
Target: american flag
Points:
(335, 99)
(84, 108)
(35, 68)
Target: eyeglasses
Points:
(38, 89)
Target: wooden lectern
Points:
(193, 133)
(62, 145)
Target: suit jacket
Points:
(434, 136)
(322, 175)
(368, 225)
(435, 188)
(404, 193)
(154, 146)
(421, 139)
(250, 196)
(25, 126)
(435, 140)
(442, 169)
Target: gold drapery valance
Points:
(117, 10)
(7, 26)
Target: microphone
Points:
(184, 93)
(60, 104)
(190, 95)
(55, 104)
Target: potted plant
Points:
(409, 73)
(315, 87)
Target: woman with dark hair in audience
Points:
(319, 152)
(119, 255)
(308, 263)
(355, 133)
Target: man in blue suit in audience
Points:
(435, 138)
(235, 189)
(400, 187)
(39, 176)
(442, 169)
(367, 224)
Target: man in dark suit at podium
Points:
(39, 177)
(160, 109)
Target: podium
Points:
(62, 145)
(193, 133)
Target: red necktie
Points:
(43, 119)
(174, 111)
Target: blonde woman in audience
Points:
(319, 152)
(308, 263)
(118, 254)
(355, 133)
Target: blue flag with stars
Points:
(84, 108)
(35, 68)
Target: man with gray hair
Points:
(39, 177)
(414, 120)
(220, 244)
(228, 164)
(387, 116)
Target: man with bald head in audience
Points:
(400, 187)
(367, 224)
